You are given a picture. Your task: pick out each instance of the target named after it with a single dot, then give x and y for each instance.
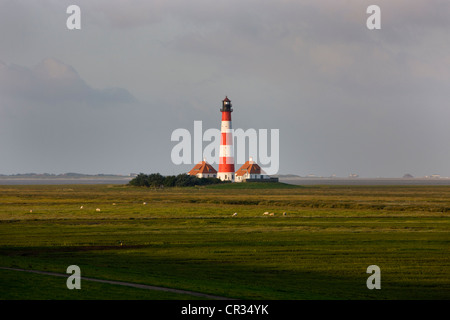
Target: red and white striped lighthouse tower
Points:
(226, 161)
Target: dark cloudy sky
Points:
(106, 98)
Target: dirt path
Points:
(127, 284)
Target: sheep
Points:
(98, 209)
(284, 213)
(31, 211)
(235, 214)
(144, 203)
(266, 213)
(271, 214)
(81, 207)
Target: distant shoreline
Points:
(8, 180)
(366, 181)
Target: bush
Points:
(156, 180)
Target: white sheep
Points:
(81, 207)
(265, 213)
(271, 214)
(235, 214)
(98, 209)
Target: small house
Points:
(203, 170)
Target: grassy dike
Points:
(187, 238)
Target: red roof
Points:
(226, 100)
(249, 167)
(202, 167)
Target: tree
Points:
(156, 180)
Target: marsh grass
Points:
(186, 238)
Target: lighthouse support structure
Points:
(226, 154)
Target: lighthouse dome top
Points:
(226, 105)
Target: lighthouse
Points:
(226, 154)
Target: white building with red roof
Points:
(203, 170)
(250, 171)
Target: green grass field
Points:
(187, 238)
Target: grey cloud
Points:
(53, 81)
(52, 121)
